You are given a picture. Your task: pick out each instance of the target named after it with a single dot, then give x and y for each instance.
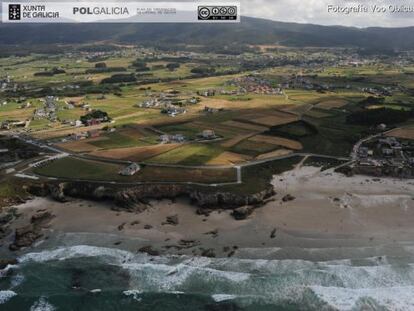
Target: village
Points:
(385, 156)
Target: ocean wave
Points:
(42, 305)
(134, 293)
(166, 278)
(223, 297)
(249, 280)
(64, 253)
(390, 298)
(16, 280)
(5, 295)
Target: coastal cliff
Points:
(127, 197)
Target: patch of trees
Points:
(96, 114)
(371, 100)
(100, 65)
(52, 72)
(173, 66)
(139, 65)
(370, 117)
(28, 49)
(105, 69)
(157, 67)
(120, 78)
(43, 74)
(203, 70)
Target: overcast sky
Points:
(305, 11)
(316, 12)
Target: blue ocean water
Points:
(96, 278)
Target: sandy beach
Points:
(328, 211)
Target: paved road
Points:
(354, 152)
(238, 167)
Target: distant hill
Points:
(249, 31)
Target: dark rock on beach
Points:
(149, 250)
(171, 220)
(6, 262)
(41, 218)
(242, 213)
(25, 236)
(208, 253)
(288, 198)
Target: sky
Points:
(316, 12)
(308, 11)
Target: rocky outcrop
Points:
(229, 199)
(242, 212)
(25, 236)
(149, 250)
(56, 191)
(288, 198)
(6, 262)
(171, 220)
(41, 218)
(139, 195)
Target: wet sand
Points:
(329, 211)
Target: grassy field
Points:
(117, 140)
(189, 154)
(257, 177)
(250, 125)
(73, 168)
(253, 148)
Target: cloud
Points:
(310, 11)
(316, 12)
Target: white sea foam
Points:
(223, 297)
(16, 280)
(163, 277)
(76, 252)
(391, 298)
(42, 305)
(5, 295)
(267, 280)
(3, 272)
(134, 293)
(95, 291)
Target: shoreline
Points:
(327, 210)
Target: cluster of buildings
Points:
(385, 156)
(255, 84)
(173, 111)
(175, 138)
(4, 83)
(169, 103)
(48, 111)
(180, 138)
(93, 133)
(7, 84)
(212, 110)
(304, 82)
(206, 93)
(378, 91)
